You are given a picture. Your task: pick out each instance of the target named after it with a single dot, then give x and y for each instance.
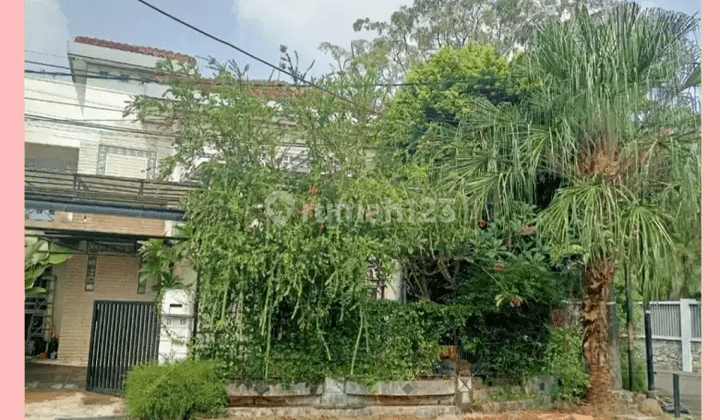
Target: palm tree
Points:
(610, 119)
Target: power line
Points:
(74, 101)
(89, 76)
(266, 84)
(47, 64)
(45, 53)
(83, 73)
(294, 76)
(81, 123)
(72, 104)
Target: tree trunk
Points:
(600, 276)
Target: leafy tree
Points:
(628, 160)
(293, 300)
(416, 32)
(159, 262)
(257, 274)
(438, 92)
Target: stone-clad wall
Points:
(697, 357)
(667, 354)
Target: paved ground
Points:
(48, 375)
(57, 392)
(690, 390)
(54, 391)
(54, 404)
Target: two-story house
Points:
(91, 185)
(80, 151)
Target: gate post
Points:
(686, 334)
(176, 325)
(464, 391)
(649, 351)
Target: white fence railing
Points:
(675, 320)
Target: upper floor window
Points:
(45, 157)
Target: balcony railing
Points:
(58, 186)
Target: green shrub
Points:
(510, 393)
(168, 392)
(564, 360)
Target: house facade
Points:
(77, 138)
(74, 128)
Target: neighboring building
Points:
(79, 144)
(76, 127)
(75, 133)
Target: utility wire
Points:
(46, 53)
(294, 76)
(72, 104)
(74, 101)
(84, 124)
(254, 83)
(89, 76)
(47, 64)
(83, 73)
(81, 123)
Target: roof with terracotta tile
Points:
(155, 52)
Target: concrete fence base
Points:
(668, 355)
(419, 411)
(347, 395)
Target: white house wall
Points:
(60, 100)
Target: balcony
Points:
(50, 165)
(99, 194)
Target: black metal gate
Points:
(123, 335)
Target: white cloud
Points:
(46, 32)
(303, 24)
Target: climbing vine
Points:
(284, 257)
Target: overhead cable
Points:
(294, 76)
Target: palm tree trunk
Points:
(600, 276)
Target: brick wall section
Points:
(103, 223)
(116, 279)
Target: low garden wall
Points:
(334, 394)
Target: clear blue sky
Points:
(257, 26)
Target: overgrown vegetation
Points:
(564, 360)
(392, 341)
(640, 377)
(290, 301)
(170, 391)
(627, 164)
(508, 393)
(526, 192)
